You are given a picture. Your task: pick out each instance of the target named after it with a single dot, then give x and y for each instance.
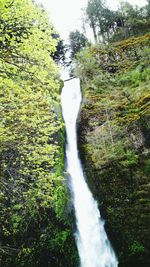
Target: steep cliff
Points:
(114, 141)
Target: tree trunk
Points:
(94, 30)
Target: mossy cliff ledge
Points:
(114, 141)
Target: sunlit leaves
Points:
(31, 159)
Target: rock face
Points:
(114, 143)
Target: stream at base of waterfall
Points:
(93, 245)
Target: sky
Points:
(66, 14)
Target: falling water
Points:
(92, 242)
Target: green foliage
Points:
(61, 49)
(108, 25)
(94, 16)
(114, 132)
(33, 194)
(77, 42)
(136, 248)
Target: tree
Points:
(108, 25)
(61, 49)
(32, 218)
(93, 12)
(101, 19)
(148, 8)
(130, 21)
(77, 42)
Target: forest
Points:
(37, 221)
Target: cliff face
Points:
(114, 141)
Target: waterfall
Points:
(93, 245)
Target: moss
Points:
(114, 136)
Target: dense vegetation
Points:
(114, 132)
(114, 140)
(114, 124)
(34, 223)
(109, 25)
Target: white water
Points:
(93, 245)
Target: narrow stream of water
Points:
(93, 245)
